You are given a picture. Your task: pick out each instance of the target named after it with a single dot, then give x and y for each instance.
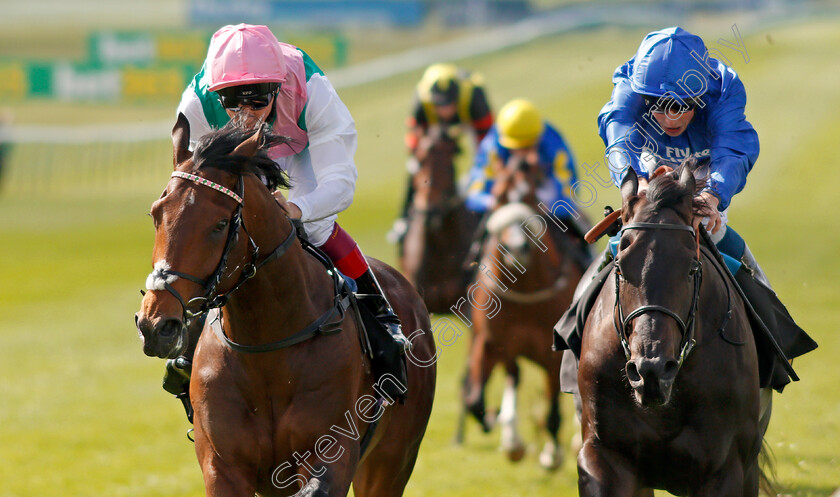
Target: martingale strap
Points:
(328, 323)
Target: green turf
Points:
(81, 409)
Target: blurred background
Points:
(88, 91)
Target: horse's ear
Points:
(629, 185)
(687, 178)
(249, 147)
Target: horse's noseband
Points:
(622, 322)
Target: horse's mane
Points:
(666, 191)
(214, 150)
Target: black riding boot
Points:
(386, 337)
(371, 293)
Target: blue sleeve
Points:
(616, 124)
(558, 157)
(478, 191)
(735, 145)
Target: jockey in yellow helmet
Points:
(449, 96)
(521, 132)
(445, 96)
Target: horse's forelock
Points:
(666, 191)
(214, 150)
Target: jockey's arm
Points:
(332, 145)
(479, 196)
(413, 135)
(480, 114)
(733, 152)
(417, 123)
(735, 145)
(481, 127)
(616, 124)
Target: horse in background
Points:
(668, 372)
(440, 227)
(285, 397)
(534, 279)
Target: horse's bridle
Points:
(622, 322)
(327, 323)
(210, 300)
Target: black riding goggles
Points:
(256, 102)
(257, 96)
(671, 105)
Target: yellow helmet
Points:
(519, 123)
(441, 83)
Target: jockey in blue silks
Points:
(521, 132)
(671, 102)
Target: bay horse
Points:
(440, 227)
(668, 372)
(534, 277)
(284, 394)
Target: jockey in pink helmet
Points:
(251, 75)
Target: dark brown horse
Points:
(440, 227)
(534, 279)
(668, 372)
(282, 386)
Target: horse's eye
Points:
(221, 225)
(623, 243)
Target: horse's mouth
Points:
(177, 348)
(653, 395)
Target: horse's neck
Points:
(284, 297)
(440, 169)
(286, 294)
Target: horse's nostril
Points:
(633, 372)
(670, 368)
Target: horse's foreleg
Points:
(603, 474)
(551, 457)
(731, 480)
(223, 477)
(511, 442)
(481, 361)
(222, 480)
(462, 416)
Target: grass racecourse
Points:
(81, 408)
